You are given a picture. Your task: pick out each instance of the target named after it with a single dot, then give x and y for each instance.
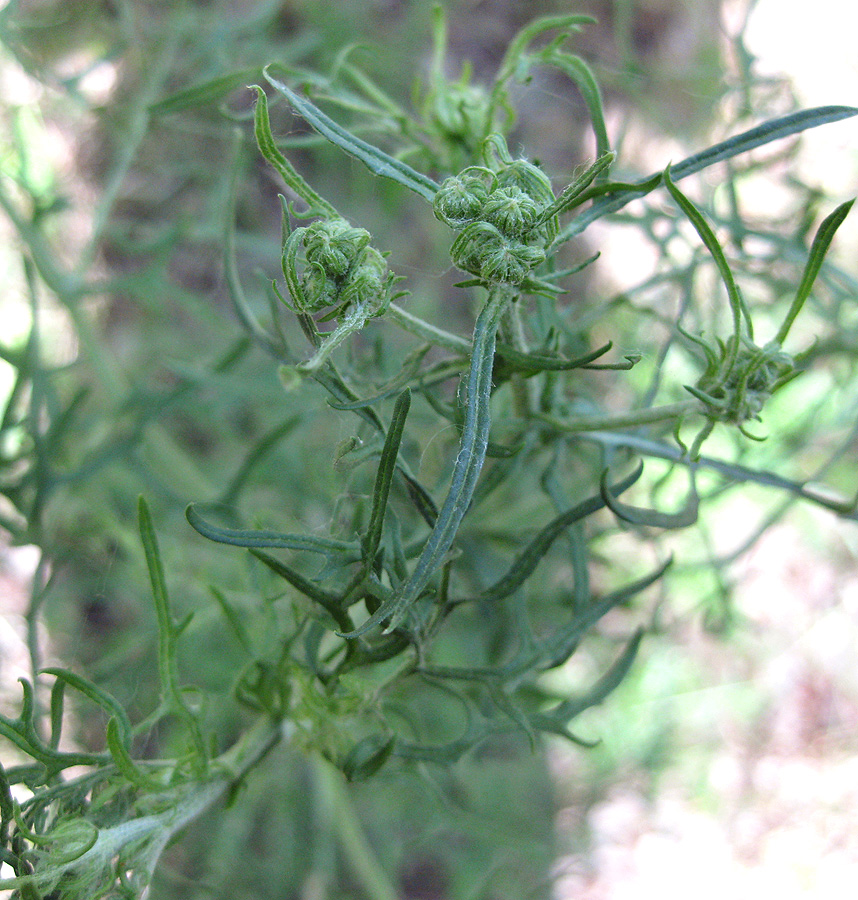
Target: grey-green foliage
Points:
(419, 626)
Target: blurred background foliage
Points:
(136, 378)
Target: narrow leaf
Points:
(242, 308)
(766, 133)
(511, 65)
(819, 248)
(367, 757)
(377, 161)
(574, 194)
(234, 619)
(532, 363)
(701, 226)
(57, 705)
(639, 516)
(203, 92)
(527, 561)
(264, 446)
(759, 136)
(117, 746)
(328, 601)
(603, 687)
(249, 537)
(166, 626)
(469, 463)
(317, 205)
(384, 475)
(98, 696)
(582, 75)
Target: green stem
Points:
(356, 848)
(524, 396)
(430, 333)
(623, 420)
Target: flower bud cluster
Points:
(459, 112)
(502, 219)
(753, 378)
(341, 269)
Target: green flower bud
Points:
(528, 178)
(482, 250)
(460, 110)
(513, 212)
(320, 289)
(460, 199)
(509, 262)
(334, 245)
(368, 282)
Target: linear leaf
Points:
(532, 363)
(847, 508)
(516, 63)
(469, 463)
(384, 475)
(98, 696)
(250, 537)
(166, 625)
(821, 243)
(317, 205)
(558, 648)
(118, 748)
(377, 161)
(527, 561)
(701, 226)
(637, 515)
(582, 75)
(330, 602)
(204, 92)
(760, 135)
(573, 707)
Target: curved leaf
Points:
(773, 130)
(384, 475)
(821, 243)
(637, 515)
(377, 161)
(250, 537)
